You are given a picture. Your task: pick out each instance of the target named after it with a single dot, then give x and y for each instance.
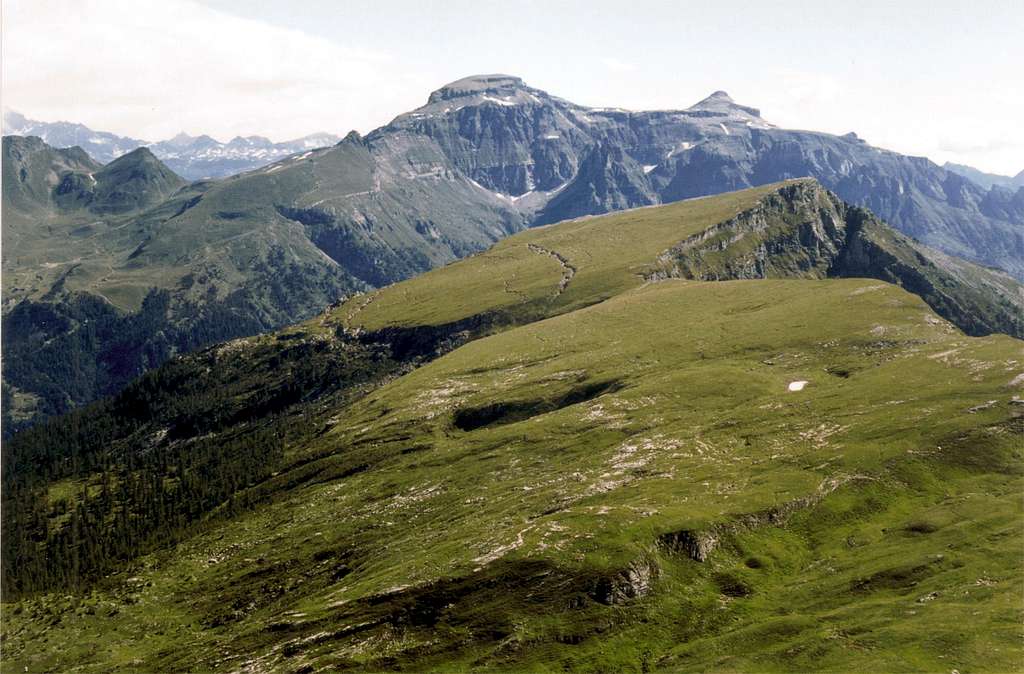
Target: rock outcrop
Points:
(805, 231)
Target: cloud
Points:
(617, 66)
(152, 68)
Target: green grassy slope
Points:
(604, 255)
(850, 519)
(793, 229)
(623, 482)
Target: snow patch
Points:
(498, 101)
(682, 147)
(798, 385)
(501, 196)
(724, 129)
(649, 167)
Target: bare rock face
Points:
(805, 231)
(697, 545)
(633, 582)
(552, 159)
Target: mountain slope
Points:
(220, 260)
(83, 316)
(32, 171)
(132, 182)
(485, 157)
(629, 479)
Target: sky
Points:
(936, 78)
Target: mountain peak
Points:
(722, 103)
(180, 140)
(137, 156)
(133, 181)
(478, 84)
(142, 154)
(14, 122)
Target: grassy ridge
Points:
(607, 255)
(532, 540)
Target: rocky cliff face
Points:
(805, 231)
(551, 159)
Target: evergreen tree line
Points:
(87, 491)
(125, 509)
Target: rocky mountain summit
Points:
(551, 159)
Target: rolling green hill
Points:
(795, 229)
(577, 451)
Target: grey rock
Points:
(633, 582)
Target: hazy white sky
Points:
(935, 78)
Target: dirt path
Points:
(568, 271)
(359, 307)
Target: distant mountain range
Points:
(155, 266)
(986, 180)
(192, 157)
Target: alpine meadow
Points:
(511, 383)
